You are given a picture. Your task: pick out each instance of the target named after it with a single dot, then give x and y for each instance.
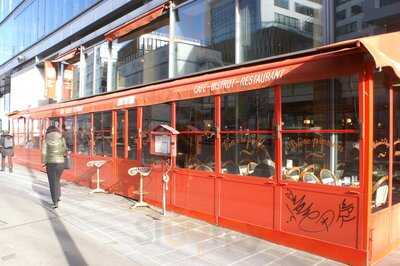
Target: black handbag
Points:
(67, 161)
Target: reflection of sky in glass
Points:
(191, 22)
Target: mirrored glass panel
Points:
(142, 55)
(396, 148)
(252, 110)
(132, 134)
(195, 115)
(121, 133)
(102, 133)
(380, 166)
(269, 28)
(68, 130)
(196, 151)
(153, 116)
(325, 104)
(205, 35)
(321, 158)
(248, 154)
(357, 18)
(83, 134)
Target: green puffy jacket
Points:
(54, 148)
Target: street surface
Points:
(100, 229)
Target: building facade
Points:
(57, 50)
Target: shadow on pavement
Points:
(71, 251)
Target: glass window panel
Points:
(153, 116)
(68, 132)
(196, 151)
(380, 175)
(271, 28)
(102, 133)
(195, 115)
(396, 148)
(248, 110)
(248, 154)
(142, 56)
(365, 18)
(205, 35)
(89, 61)
(326, 104)
(132, 134)
(36, 133)
(83, 135)
(329, 158)
(101, 68)
(121, 134)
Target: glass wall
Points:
(357, 18)
(269, 28)
(153, 116)
(68, 130)
(6, 6)
(380, 166)
(196, 141)
(100, 68)
(142, 56)
(132, 134)
(248, 147)
(33, 20)
(102, 124)
(396, 149)
(311, 155)
(121, 133)
(83, 135)
(205, 35)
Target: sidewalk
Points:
(119, 235)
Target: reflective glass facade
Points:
(33, 20)
(193, 36)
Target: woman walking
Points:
(53, 151)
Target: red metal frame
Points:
(224, 198)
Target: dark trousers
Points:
(54, 171)
(3, 162)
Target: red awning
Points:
(137, 22)
(67, 55)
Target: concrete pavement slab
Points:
(101, 229)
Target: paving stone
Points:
(260, 258)
(292, 260)
(148, 238)
(251, 245)
(194, 261)
(224, 255)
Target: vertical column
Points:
(172, 49)
(328, 21)
(82, 76)
(95, 54)
(110, 73)
(238, 32)
(59, 82)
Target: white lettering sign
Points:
(130, 100)
(245, 81)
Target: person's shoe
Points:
(55, 206)
(2, 170)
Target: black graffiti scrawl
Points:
(309, 218)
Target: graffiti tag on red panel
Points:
(309, 218)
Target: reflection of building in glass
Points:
(283, 27)
(142, 59)
(355, 18)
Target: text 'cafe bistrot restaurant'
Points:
(302, 150)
